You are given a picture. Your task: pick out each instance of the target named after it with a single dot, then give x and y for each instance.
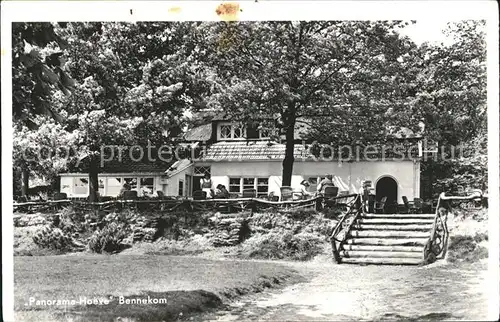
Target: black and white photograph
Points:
(250, 161)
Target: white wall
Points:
(347, 176)
(172, 186)
(68, 181)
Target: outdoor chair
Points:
(286, 193)
(331, 192)
(129, 195)
(405, 207)
(249, 193)
(160, 194)
(199, 195)
(416, 206)
(379, 207)
(60, 196)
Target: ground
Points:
(214, 283)
(180, 279)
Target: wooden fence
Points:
(168, 205)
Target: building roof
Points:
(250, 150)
(178, 166)
(199, 133)
(271, 151)
(126, 164)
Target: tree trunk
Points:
(289, 158)
(94, 179)
(25, 181)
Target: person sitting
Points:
(221, 192)
(125, 187)
(327, 182)
(304, 185)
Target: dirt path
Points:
(347, 292)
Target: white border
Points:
(261, 10)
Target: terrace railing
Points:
(341, 230)
(437, 244)
(171, 204)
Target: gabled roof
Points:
(250, 150)
(178, 166)
(126, 164)
(199, 133)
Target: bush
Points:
(466, 248)
(108, 240)
(52, 238)
(279, 245)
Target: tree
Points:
(38, 70)
(451, 100)
(290, 70)
(134, 84)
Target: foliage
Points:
(38, 71)
(280, 245)
(466, 248)
(108, 240)
(275, 73)
(53, 238)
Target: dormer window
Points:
(230, 131)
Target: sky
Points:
(426, 30)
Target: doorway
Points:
(387, 187)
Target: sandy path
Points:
(347, 292)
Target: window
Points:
(248, 183)
(231, 131)
(225, 131)
(181, 188)
(201, 171)
(234, 185)
(147, 186)
(114, 186)
(238, 132)
(81, 186)
(132, 182)
(101, 187)
(237, 185)
(262, 185)
(265, 133)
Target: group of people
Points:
(322, 185)
(221, 192)
(207, 186)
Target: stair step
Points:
(382, 254)
(397, 221)
(417, 249)
(383, 261)
(398, 216)
(387, 241)
(412, 227)
(388, 233)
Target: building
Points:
(242, 160)
(144, 176)
(242, 157)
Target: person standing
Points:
(207, 185)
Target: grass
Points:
(189, 284)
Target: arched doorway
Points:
(387, 187)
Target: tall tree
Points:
(290, 70)
(134, 84)
(38, 72)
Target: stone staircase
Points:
(391, 239)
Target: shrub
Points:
(108, 240)
(279, 245)
(465, 248)
(52, 238)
